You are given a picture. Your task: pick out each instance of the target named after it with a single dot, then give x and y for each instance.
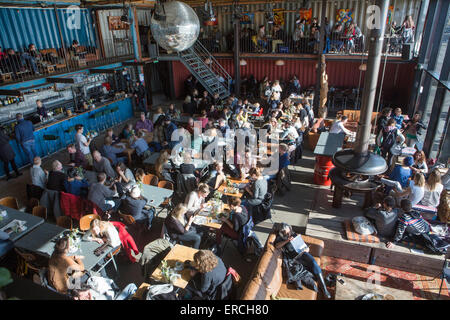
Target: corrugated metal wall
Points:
(401, 9)
(21, 26)
(396, 86)
(111, 45)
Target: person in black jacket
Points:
(7, 155)
(180, 226)
(283, 241)
(383, 119)
(134, 205)
(140, 94)
(56, 177)
(189, 106)
(208, 274)
(232, 225)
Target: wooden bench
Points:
(327, 223)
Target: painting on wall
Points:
(247, 18)
(344, 16)
(278, 16)
(305, 14)
(390, 15)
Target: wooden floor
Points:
(326, 222)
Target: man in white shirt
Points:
(38, 175)
(82, 144)
(289, 129)
(338, 126)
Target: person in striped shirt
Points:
(410, 222)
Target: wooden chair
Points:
(64, 222)
(40, 211)
(33, 202)
(167, 204)
(126, 218)
(26, 261)
(85, 221)
(150, 179)
(9, 202)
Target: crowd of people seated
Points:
(32, 61)
(114, 188)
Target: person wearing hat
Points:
(169, 128)
(410, 222)
(134, 205)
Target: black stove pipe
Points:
(359, 160)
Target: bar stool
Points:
(50, 141)
(103, 124)
(69, 132)
(96, 116)
(108, 118)
(115, 116)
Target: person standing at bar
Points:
(41, 111)
(140, 94)
(7, 155)
(24, 131)
(82, 143)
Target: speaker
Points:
(407, 51)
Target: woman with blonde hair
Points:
(159, 112)
(162, 167)
(179, 224)
(104, 232)
(208, 273)
(433, 190)
(196, 199)
(414, 192)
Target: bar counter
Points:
(63, 129)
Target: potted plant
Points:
(5, 279)
(165, 270)
(74, 241)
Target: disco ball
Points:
(180, 28)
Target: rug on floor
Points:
(423, 287)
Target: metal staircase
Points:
(212, 76)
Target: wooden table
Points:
(237, 181)
(178, 253)
(355, 289)
(212, 224)
(139, 294)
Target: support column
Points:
(376, 38)
(236, 58)
(319, 59)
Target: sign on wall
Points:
(344, 15)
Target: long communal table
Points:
(31, 222)
(42, 240)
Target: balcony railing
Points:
(29, 65)
(333, 45)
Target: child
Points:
(398, 117)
